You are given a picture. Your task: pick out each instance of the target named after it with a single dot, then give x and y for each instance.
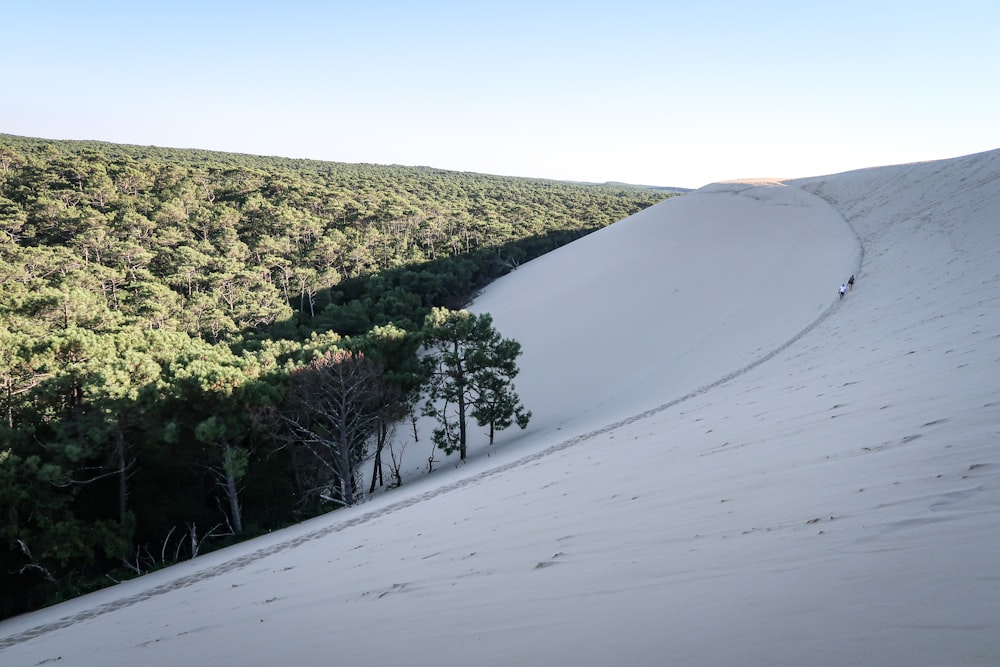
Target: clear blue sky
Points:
(662, 93)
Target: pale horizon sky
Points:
(657, 93)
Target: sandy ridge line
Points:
(237, 563)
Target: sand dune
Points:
(727, 466)
(676, 297)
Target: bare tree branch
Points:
(33, 565)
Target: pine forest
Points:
(199, 347)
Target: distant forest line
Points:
(161, 307)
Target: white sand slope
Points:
(672, 299)
(728, 466)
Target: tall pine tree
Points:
(471, 368)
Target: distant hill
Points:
(655, 188)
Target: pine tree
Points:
(471, 369)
